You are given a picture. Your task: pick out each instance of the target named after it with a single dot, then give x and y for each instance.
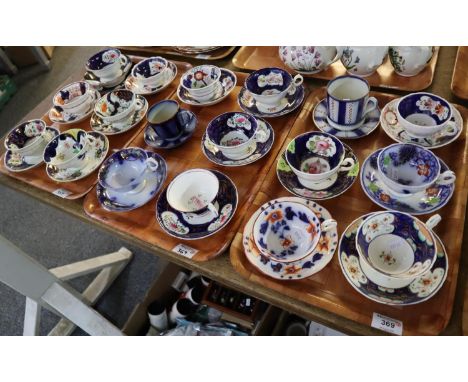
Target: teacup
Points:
(362, 61)
(68, 149)
(194, 191)
(235, 134)
(117, 106)
(28, 138)
(152, 70)
(396, 244)
(164, 118)
(126, 169)
(75, 98)
(409, 61)
(424, 114)
(288, 231)
(269, 86)
(202, 82)
(106, 64)
(348, 102)
(407, 169)
(316, 158)
(308, 59)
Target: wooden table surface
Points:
(220, 268)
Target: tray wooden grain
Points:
(328, 289)
(257, 57)
(142, 222)
(216, 54)
(460, 73)
(37, 176)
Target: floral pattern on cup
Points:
(270, 79)
(224, 215)
(239, 120)
(322, 145)
(353, 269)
(434, 106)
(173, 224)
(427, 283)
(378, 225)
(201, 76)
(24, 134)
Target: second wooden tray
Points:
(460, 73)
(257, 57)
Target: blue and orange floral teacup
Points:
(202, 82)
(407, 169)
(288, 231)
(74, 98)
(107, 63)
(316, 158)
(117, 106)
(151, 71)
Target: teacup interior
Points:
(348, 88)
(65, 146)
(268, 81)
(201, 77)
(103, 58)
(424, 109)
(232, 129)
(315, 165)
(192, 190)
(162, 112)
(71, 93)
(126, 171)
(115, 102)
(25, 135)
(391, 254)
(150, 67)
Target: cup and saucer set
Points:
(107, 68)
(271, 92)
(407, 178)
(196, 204)
(118, 111)
(317, 166)
(393, 258)
(129, 179)
(25, 145)
(206, 85)
(74, 154)
(237, 139)
(168, 126)
(422, 118)
(347, 112)
(73, 103)
(151, 75)
(290, 238)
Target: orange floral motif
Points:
(312, 230)
(384, 198)
(423, 169)
(322, 245)
(290, 270)
(286, 242)
(432, 191)
(274, 216)
(104, 107)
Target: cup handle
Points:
(446, 178)
(139, 103)
(449, 132)
(152, 164)
(123, 59)
(297, 80)
(212, 209)
(433, 221)
(347, 164)
(371, 104)
(328, 225)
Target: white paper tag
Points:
(387, 324)
(62, 193)
(185, 250)
(247, 302)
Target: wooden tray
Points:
(142, 222)
(147, 51)
(257, 57)
(460, 73)
(328, 289)
(37, 176)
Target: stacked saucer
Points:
(118, 111)
(290, 238)
(107, 68)
(407, 178)
(271, 92)
(393, 258)
(130, 178)
(25, 144)
(317, 166)
(151, 75)
(195, 49)
(237, 139)
(206, 85)
(74, 154)
(73, 103)
(197, 204)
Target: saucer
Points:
(132, 84)
(420, 289)
(288, 104)
(98, 124)
(389, 123)
(290, 182)
(216, 156)
(120, 201)
(15, 162)
(174, 224)
(96, 82)
(296, 270)
(228, 82)
(371, 121)
(64, 118)
(153, 140)
(424, 202)
(94, 157)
